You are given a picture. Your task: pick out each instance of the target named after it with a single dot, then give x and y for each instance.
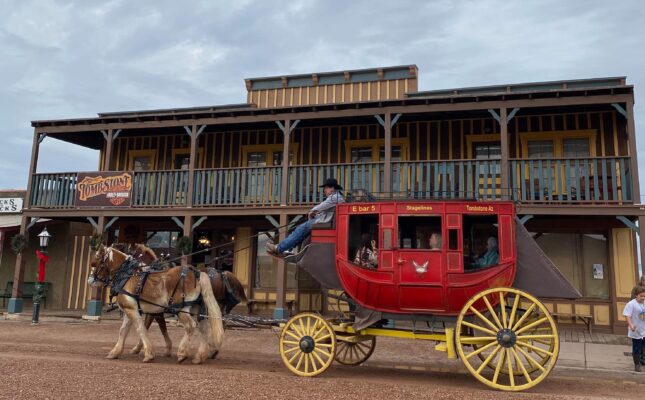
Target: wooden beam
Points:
(620, 109)
(525, 218)
(191, 166)
(387, 168)
(503, 123)
(178, 222)
(33, 222)
(628, 223)
(199, 222)
(286, 143)
(109, 224)
(281, 278)
(633, 152)
(495, 115)
(109, 140)
(33, 168)
(92, 222)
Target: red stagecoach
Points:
(472, 289)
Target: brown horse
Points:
(177, 285)
(221, 283)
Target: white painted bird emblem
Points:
(421, 269)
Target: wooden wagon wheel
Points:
(522, 348)
(307, 344)
(546, 344)
(355, 350)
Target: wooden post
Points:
(95, 303)
(503, 123)
(191, 167)
(109, 140)
(284, 190)
(188, 232)
(641, 242)
(631, 135)
(33, 167)
(2, 235)
(281, 312)
(15, 302)
(387, 168)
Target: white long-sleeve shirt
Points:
(327, 208)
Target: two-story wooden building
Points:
(564, 151)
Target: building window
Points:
(575, 148)
(263, 155)
(582, 259)
(489, 151)
(141, 160)
(266, 268)
(540, 149)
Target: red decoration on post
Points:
(43, 258)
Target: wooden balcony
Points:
(603, 180)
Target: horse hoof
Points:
(181, 359)
(111, 356)
(215, 354)
(197, 361)
(135, 350)
(148, 359)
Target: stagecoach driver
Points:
(322, 213)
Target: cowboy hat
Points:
(331, 182)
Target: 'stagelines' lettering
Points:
(418, 207)
(95, 186)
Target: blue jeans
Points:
(297, 236)
(637, 347)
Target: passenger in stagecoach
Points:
(322, 213)
(491, 256)
(367, 254)
(435, 241)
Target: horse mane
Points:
(148, 255)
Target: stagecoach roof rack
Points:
(365, 196)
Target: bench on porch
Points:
(586, 319)
(250, 303)
(28, 289)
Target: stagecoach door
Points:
(420, 262)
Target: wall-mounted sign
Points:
(598, 271)
(104, 189)
(10, 205)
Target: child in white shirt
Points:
(634, 312)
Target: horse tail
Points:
(237, 289)
(215, 330)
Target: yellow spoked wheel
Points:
(547, 344)
(307, 344)
(354, 350)
(506, 348)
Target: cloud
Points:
(70, 59)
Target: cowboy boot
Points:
(637, 363)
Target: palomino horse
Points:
(224, 285)
(176, 286)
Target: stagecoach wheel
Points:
(506, 349)
(307, 344)
(542, 358)
(354, 350)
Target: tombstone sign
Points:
(104, 189)
(10, 205)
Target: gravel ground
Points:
(66, 360)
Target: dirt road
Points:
(66, 360)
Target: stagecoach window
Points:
(363, 239)
(416, 232)
(481, 242)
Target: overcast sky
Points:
(70, 59)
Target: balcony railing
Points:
(602, 180)
(160, 188)
(305, 180)
(53, 190)
(572, 180)
(238, 186)
(459, 179)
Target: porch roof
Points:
(76, 130)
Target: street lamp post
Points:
(43, 238)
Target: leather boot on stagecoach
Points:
(637, 363)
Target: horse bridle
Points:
(94, 274)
